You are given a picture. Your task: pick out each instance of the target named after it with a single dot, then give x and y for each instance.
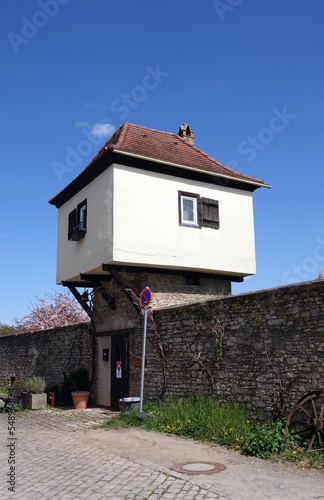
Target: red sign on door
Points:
(119, 373)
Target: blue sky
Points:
(247, 76)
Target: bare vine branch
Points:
(201, 362)
(278, 401)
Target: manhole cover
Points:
(198, 468)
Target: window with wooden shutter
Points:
(198, 212)
(78, 222)
(209, 213)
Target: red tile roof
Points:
(139, 141)
(164, 146)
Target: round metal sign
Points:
(146, 297)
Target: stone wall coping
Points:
(67, 328)
(289, 288)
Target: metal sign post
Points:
(145, 300)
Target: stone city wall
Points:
(46, 353)
(253, 347)
(264, 348)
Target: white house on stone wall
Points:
(152, 199)
(152, 204)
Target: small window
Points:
(78, 222)
(192, 281)
(188, 209)
(82, 209)
(200, 212)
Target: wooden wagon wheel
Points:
(306, 418)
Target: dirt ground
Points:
(244, 477)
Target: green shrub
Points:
(267, 439)
(35, 385)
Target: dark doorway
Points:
(119, 369)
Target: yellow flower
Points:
(248, 421)
(294, 452)
(188, 421)
(213, 437)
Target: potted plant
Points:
(76, 385)
(34, 398)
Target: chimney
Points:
(186, 133)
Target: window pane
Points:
(188, 210)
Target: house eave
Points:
(193, 169)
(110, 157)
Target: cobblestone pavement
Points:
(52, 461)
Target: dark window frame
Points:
(77, 222)
(184, 194)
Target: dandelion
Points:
(294, 452)
(188, 421)
(213, 437)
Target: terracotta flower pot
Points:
(80, 399)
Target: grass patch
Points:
(207, 419)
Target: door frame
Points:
(124, 335)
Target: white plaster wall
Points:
(133, 218)
(75, 257)
(147, 230)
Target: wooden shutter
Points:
(72, 222)
(209, 213)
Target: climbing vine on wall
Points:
(219, 342)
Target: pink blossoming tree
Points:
(63, 310)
